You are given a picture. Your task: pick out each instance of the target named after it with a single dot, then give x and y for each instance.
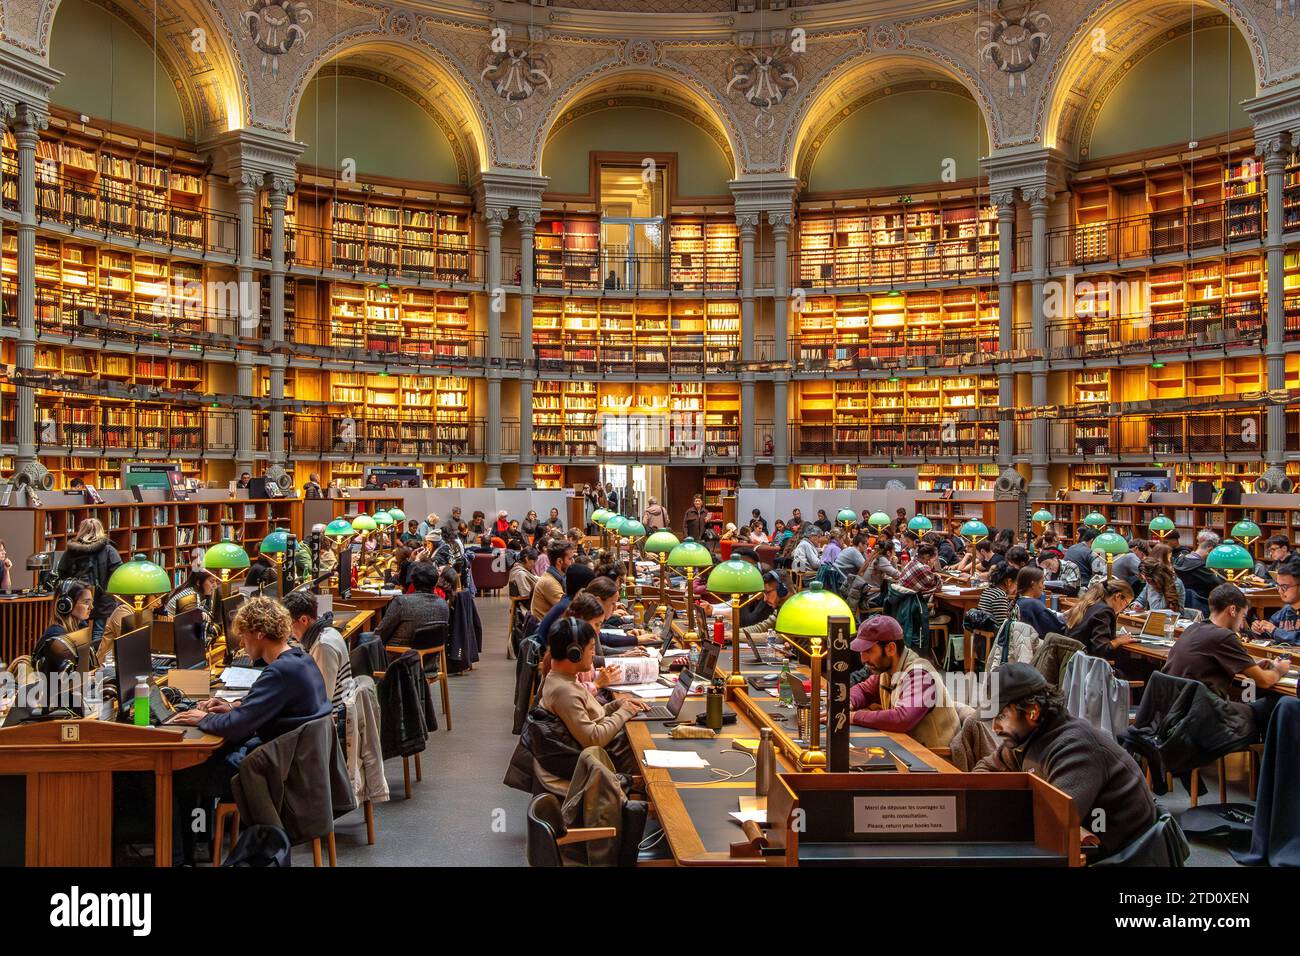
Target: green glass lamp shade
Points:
(1043, 516)
(1230, 558)
(631, 528)
(690, 554)
(805, 614)
(383, 519)
(364, 522)
(397, 514)
(1162, 524)
(1110, 543)
(734, 577)
(339, 528)
(920, 524)
(277, 542)
(599, 516)
(974, 529)
(846, 516)
(225, 556)
(613, 522)
(661, 542)
(140, 576)
(1094, 519)
(1246, 530)
(879, 519)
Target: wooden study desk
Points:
(363, 601)
(1158, 653)
(68, 797)
(351, 623)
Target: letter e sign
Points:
(69, 733)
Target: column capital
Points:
(1005, 202)
(780, 220)
(280, 187)
(252, 159)
(528, 218)
(1036, 196)
(247, 181)
(29, 120)
(747, 221)
(495, 216)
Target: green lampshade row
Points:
(805, 614)
(140, 576)
(1094, 519)
(1229, 557)
(661, 542)
(690, 554)
(397, 514)
(225, 556)
(277, 542)
(614, 522)
(631, 528)
(383, 519)
(974, 529)
(1161, 523)
(734, 577)
(599, 516)
(879, 519)
(339, 528)
(1110, 543)
(1245, 529)
(364, 522)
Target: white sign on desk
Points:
(905, 813)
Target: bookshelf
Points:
(951, 513)
(962, 477)
(393, 232)
(846, 328)
(720, 488)
(827, 476)
(411, 321)
(546, 476)
(703, 254)
(564, 419)
(406, 415)
(897, 242)
(165, 531)
(566, 252)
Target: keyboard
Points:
(657, 712)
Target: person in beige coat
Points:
(655, 517)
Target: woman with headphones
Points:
(74, 602)
(763, 626)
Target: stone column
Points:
(246, 188)
(280, 187)
(29, 121)
(527, 230)
(1038, 198)
(780, 222)
(1275, 152)
(1006, 206)
(747, 224)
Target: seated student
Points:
(1284, 626)
(1162, 590)
(759, 625)
(943, 547)
(521, 578)
(262, 573)
(1210, 652)
(199, 586)
(1017, 556)
(1192, 569)
(1091, 565)
(977, 560)
(572, 646)
(851, 557)
(1029, 603)
(289, 693)
(575, 579)
(407, 613)
(807, 553)
(1041, 737)
(1093, 619)
(1061, 574)
(588, 608)
(550, 584)
(921, 574)
(904, 693)
(1128, 567)
(996, 599)
(319, 638)
(1276, 552)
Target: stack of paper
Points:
(675, 759)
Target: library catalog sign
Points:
(894, 813)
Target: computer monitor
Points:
(189, 630)
(230, 605)
(74, 646)
(133, 659)
(666, 633)
(708, 661)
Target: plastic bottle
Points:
(140, 703)
(764, 763)
(695, 654)
(786, 698)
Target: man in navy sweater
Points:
(288, 693)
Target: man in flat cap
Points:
(903, 694)
(1041, 737)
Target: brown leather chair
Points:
(767, 554)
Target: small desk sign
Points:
(905, 813)
(69, 733)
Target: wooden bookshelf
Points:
(567, 252)
(951, 513)
(565, 419)
(703, 253)
(413, 321)
(720, 488)
(616, 335)
(845, 328)
(896, 243)
(962, 477)
(546, 476)
(164, 532)
(827, 476)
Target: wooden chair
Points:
(939, 632)
(431, 641)
(225, 811)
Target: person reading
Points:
(904, 694)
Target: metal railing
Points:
(114, 211)
(1185, 229)
(627, 359)
(886, 441)
(607, 270)
(138, 429)
(404, 437)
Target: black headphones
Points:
(773, 577)
(573, 650)
(66, 598)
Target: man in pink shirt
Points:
(904, 693)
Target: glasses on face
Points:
(1283, 587)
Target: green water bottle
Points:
(786, 698)
(140, 703)
(713, 707)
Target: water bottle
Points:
(765, 762)
(786, 698)
(1171, 622)
(713, 707)
(140, 703)
(694, 665)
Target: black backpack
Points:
(260, 845)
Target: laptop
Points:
(1153, 628)
(670, 711)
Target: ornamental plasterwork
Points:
(624, 100)
(763, 77)
(1013, 36)
(276, 27)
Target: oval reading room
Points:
(649, 433)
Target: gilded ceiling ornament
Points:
(516, 75)
(1012, 38)
(764, 76)
(275, 27)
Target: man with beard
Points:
(903, 694)
(1041, 737)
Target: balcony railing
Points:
(358, 252)
(403, 437)
(1181, 230)
(813, 351)
(69, 427)
(607, 358)
(886, 441)
(113, 211)
(607, 270)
